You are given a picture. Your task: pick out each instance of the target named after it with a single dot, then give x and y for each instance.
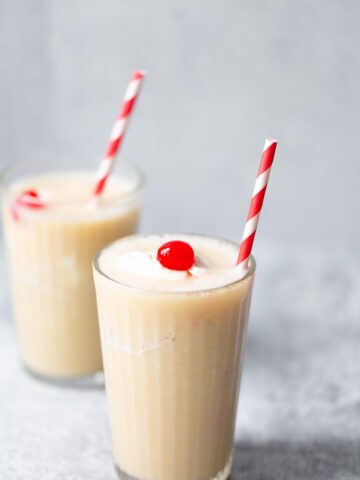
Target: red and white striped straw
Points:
(118, 131)
(256, 203)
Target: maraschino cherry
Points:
(176, 255)
(30, 198)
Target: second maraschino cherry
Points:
(30, 198)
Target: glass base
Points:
(91, 381)
(223, 475)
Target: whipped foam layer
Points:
(132, 261)
(69, 194)
(145, 264)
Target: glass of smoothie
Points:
(50, 248)
(173, 312)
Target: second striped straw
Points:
(118, 132)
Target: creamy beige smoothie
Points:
(172, 344)
(50, 251)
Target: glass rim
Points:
(10, 176)
(153, 291)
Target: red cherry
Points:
(30, 198)
(176, 255)
(31, 193)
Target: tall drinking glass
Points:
(50, 251)
(172, 362)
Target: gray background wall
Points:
(222, 77)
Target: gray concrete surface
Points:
(299, 411)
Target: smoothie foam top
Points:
(69, 195)
(133, 261)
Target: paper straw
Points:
(118, 132)
(256, 203)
